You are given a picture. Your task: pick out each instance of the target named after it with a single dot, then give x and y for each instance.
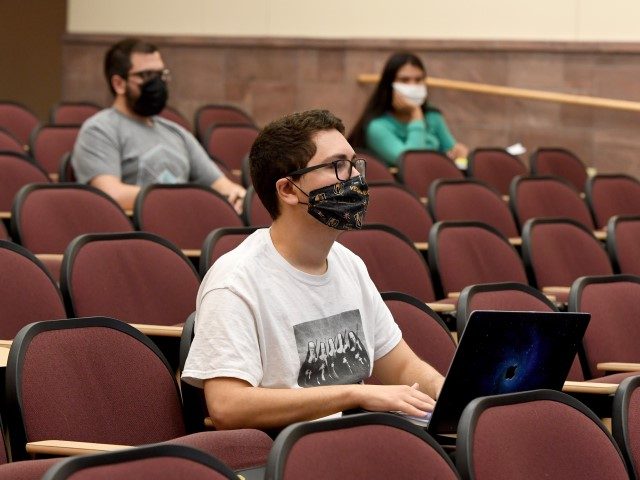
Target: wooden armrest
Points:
(556, 290)
(129, 213)
(590, 387)
(51, 257)
(208, 422)
(442, 307)
(5, 214)
(4, 356)
(158, 330)
(6, 343)
(422, 246)
(191, 253)
(619, 367)
(53, 177)
(600, 234)
(551, 298)
(453, 295)
(515, 241)
(67, 448)
(393, 170)
(505, 198)
(424, 200)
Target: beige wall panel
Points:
(167, 17)
(235, 17)
(462, 19)
(614, 20)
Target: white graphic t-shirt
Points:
(263, 321)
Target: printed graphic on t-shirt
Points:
(162, 165)
(332, 350)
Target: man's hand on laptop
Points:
(402, 398)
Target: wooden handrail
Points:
(526, 93)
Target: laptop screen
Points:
(504, 352)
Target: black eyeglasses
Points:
(343, 168)
(146, 75)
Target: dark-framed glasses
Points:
(146, 75)
(343, 168)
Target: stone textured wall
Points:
(270, 77)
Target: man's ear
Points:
(119, 84)
(286, 192)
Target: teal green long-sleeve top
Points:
(388, 138)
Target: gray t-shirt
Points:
(110, 143)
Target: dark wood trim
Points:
(370, 43)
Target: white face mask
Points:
(414, 93)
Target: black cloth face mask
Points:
(153, 97)
(342, 205)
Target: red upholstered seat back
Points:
(545, 438)
(614, 305)
(423, 331)
(94, 380)
(466, 253)
(219, 242)
(9, 143)
(495, 167)
(366, 445)
(72, 113)
(470, 200)
(623, 232)
(135, 277)
(47, 217)
(392, 204)
(254, 211)
(230, 143)
(558, 251)
(418, 168)
(560, 163)
(212, 114)
(544, 197)
(27, 292)
(392, 261)
(183, 214)
(610, 195)
(50, 142)
(16, 171)
(377, 171)
(18, 120)
(625, 421)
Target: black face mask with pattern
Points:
(153, 97)
(342, 205)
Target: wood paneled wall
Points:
(270, 77)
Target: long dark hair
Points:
(382, 97)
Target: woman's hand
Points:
(403, 106)
(459, 150)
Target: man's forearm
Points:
(429, 379)
(257, 407)
(124, 194)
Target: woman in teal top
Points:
(398, 118)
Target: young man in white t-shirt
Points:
(291, 308)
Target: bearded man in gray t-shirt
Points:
(127, 146)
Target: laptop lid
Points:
(504, 352)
